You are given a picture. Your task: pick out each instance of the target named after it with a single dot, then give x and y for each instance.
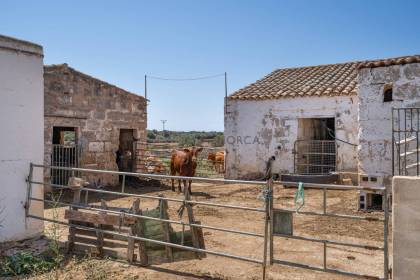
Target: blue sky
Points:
(121, 41)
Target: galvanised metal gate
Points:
(405, 141)
(282, 226)
(64, 156)
(184, 201)
(315, 156)
(277, 222)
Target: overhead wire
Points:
(186, 79)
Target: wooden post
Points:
(163, 209)
(131, 241)
(138, 230)
(191, 220)
(72, 231)
(100, 235)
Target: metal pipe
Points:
(156, 176)
(393, 142)
(266, 224)
(330, 270)
(324, 201)
(150, 240)
(123, 184)
(367, 247)
(147, 217)
(156, 197)
(330, 186)
(214, 180)
(334, 215)
(386, 254)
(29, 189)
(325, 255)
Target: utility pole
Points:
(163, 124)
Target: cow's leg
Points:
(179, 185)
(189, 186)
(173, 185)
(185, 184)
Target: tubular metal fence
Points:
(405, 141)
(156, 159)
(267, 209)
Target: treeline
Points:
(187, 138)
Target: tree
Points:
(219, 140)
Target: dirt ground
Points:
(215, 267)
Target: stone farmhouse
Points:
(91, 124)
(321, 119)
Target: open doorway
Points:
(316, 129)
(125, 154)
(64, 153)
(315, 149)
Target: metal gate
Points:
(282, 226)
(63, 156)
(315, 156)
(405, 141)
(277, 221)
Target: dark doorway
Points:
(65, 153)
(315, 149)
(125, 153)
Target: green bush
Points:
(24, 263)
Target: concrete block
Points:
(406, 228)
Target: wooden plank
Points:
(91, 249)
(107, 219)
(130, 248)
(76, 200)
(100, 235)
(142, 245)
(84, 232)
(163, 205)
(191, 221)
(106, 243)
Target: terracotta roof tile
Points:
(322, 80)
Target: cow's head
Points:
(192, 154)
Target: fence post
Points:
(386, 217)
(29, 190)
(271, 199)
(267, 226)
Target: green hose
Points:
(299, 197)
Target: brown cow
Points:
(218, 160)
(184, 163)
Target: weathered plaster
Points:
(375, 116)
(274, 123)
(21, 122)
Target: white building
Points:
(288, 113)
(268, 117)
(22, 141)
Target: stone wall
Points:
(406, 228)
(98, 111)
(375, 126)
(257, 130)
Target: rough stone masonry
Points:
(97, 111)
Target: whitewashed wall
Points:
(21, 141)
(375, 132)
(254, 130)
